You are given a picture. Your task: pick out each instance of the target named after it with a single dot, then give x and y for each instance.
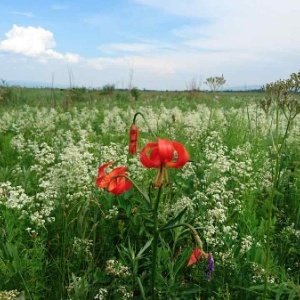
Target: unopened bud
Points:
(133, 139)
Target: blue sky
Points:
(152, 44)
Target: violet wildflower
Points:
(210, 265)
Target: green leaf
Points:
(141, 288)
(147, 245)
(173, 222)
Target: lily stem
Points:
(134, 120)
(155, 243)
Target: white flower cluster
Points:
(290, 230)
(112, 213)
(196, 122)
(113, 152)
(115, 268)
(71, 177)
(125, 294)
(228, 176)
(246, 243)
(11, 295)
(114, 122)
(101, 294)
(172, 209)
(84, 245)
(259, 274)
(14, 197)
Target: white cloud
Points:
(251, 42)
(256, 26)
(150, 64)
(126, 47)
(35, 42)
(27, 14)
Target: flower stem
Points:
(155, 243)
(134, 120)
(145, 196)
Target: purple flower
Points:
(210, 265)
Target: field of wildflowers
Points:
(200, 201)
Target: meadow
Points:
(235, 200)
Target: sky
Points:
(149, 44)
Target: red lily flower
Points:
(195, 256)
(133, 138)
(114, 180)
(162, 154)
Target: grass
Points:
(62, 238)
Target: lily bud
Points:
(133, 139)
(196, 255)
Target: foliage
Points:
(108, 89)
(135, 93)
(62, 238)
(6, 93)
(215, 83)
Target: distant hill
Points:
(243, 88)
(40, 84)
(34, 84)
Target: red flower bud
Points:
(196, 255)
(133, 139)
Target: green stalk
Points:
(195, 234)
(272, 196)
(146, 197)
(155, 243)
(270, 208)
(134, 120)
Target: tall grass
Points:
(62, 238)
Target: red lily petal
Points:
(103, 181)
(114, 180)
(166, 150)
(117, 171)
(146, 160)
(196, 255)
(155, 157)
(119, 186)
(102, 168)
(182, 156)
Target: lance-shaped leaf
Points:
(174, 222)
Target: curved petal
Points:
(149, 161)
(100, 183)
(101, 169)
(154, 157)
(119, 186)
(112, 185)
(182, 156)
(117, 171)
(166, 150)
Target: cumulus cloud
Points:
(35, 42)
(251, 42)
